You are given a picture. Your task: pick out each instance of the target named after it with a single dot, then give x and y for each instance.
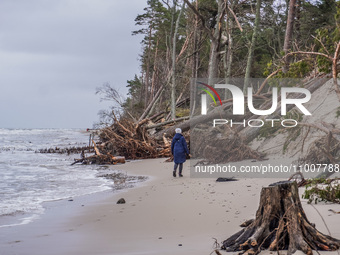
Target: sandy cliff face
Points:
(298, 143)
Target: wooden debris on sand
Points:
(99, 158)
(132, 141)
(129, 140)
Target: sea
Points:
(28, 178)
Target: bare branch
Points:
(238, 23)
(166, 3)
(310, 53)
(109, 93)
(266, 80)
(197, 13)
(321, 44)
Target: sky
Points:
(54, 54)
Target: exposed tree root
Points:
(280, 224)
(132, 141)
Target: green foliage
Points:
(134, 108)
(322, 190)
(324, 64)
(337, 113)
(155, 16)
(299, 69)
(208, 9)
(296, 69)
(268, 69)
(260, 63)
(134, 86)
(329, 34)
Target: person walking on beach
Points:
(179, 149)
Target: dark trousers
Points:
(180, 167)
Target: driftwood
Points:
(167, 122)
(129, 140)
(132, 141)
(100, 160)
(68, 150)
(217, 113)
(95, 148)
(280, 224)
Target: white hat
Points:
(178, 130)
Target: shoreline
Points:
(163, 215)
(31, 227)
(114, 185)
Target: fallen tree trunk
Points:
(167, 122)
(280, 224)
(217, 113)
(148, 108)
(100, 159)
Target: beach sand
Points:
(163, 215)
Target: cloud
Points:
(58, 52)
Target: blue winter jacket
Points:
(179, 148)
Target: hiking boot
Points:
(174, 174)
(180, 175)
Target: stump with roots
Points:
(280, 224)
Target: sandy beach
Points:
(163, 215)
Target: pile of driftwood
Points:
(132, 141)
(99, 159)
(129, 141)
(135, 141)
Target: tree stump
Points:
(280, 224)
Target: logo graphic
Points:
(239, 99)
(204, 97)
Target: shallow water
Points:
(27, 178)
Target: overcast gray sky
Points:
(54, 53)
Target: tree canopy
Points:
(185, 39)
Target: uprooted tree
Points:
(280, 224)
